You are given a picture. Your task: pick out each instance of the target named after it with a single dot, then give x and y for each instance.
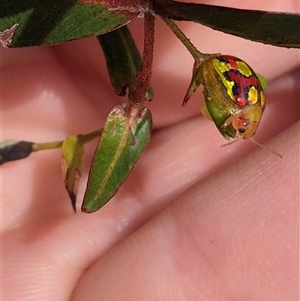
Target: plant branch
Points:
(198, 56)
(58, 144)
(144, 75)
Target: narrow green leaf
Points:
(123, 59)
(11, 150)
(121, 144)
(54, 21)
(279, 29)
(72, 162)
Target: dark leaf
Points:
(123, 60)
(54, 21)
(14, 150)
(279, 29)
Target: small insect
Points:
(234, 97)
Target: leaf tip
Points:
(85, 210)
(73, 200)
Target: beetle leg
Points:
(227, 123)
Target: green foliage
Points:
(56, 21)
(72, 163)
(123, 59)
(279, 29)
(123, 139)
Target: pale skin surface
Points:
(223, 229)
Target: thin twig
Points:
(144, 75)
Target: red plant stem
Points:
(144, 75)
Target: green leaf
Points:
(54, 21)
(72, 162)
(11, 150)
(263, 81)
(279, 29)
(126, 133)
(123, 60)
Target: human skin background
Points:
(224, 219)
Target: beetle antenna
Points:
(231, 142)
(255, 142)
(270, 150)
